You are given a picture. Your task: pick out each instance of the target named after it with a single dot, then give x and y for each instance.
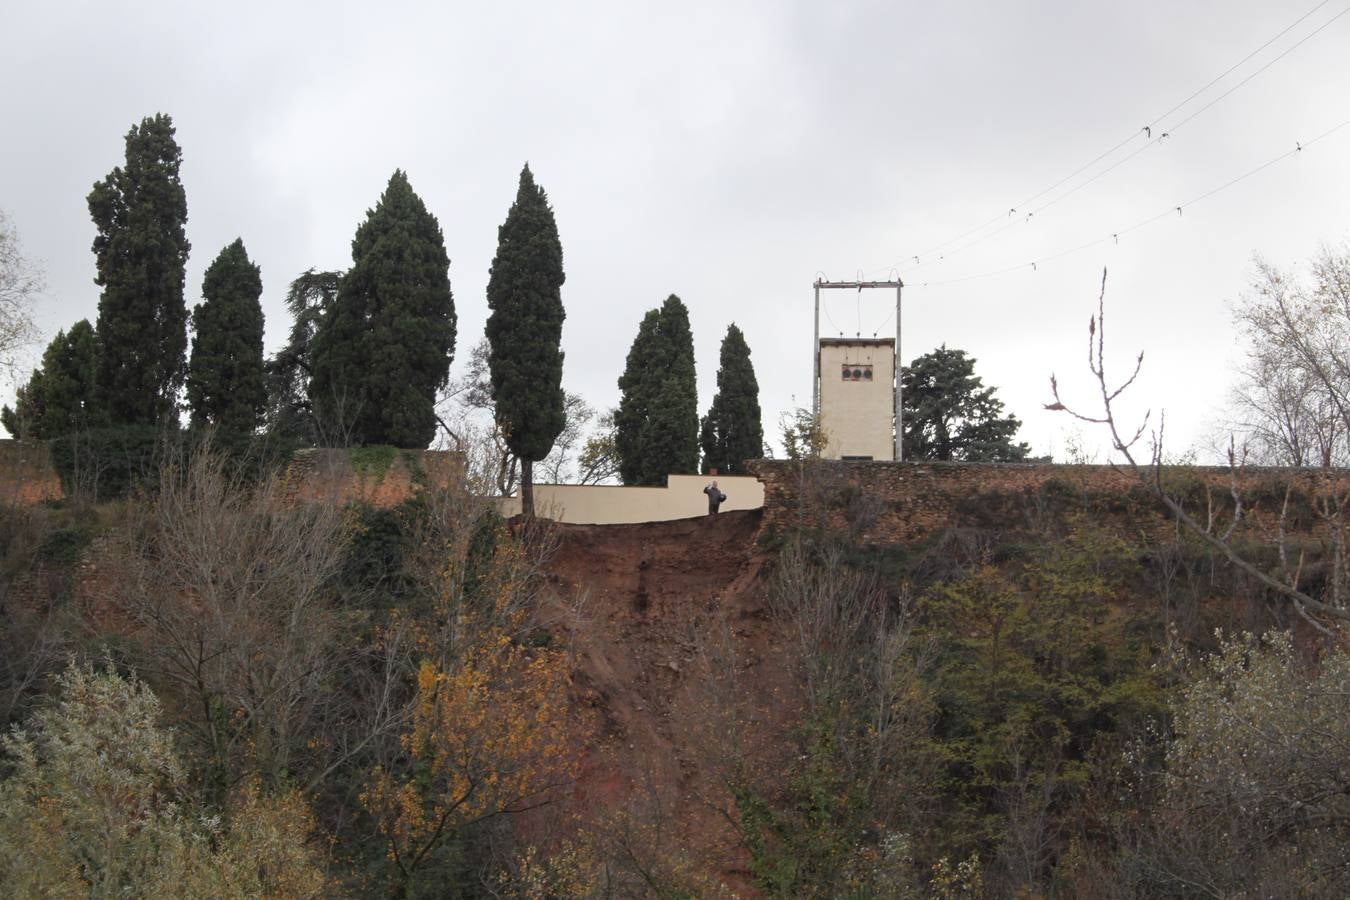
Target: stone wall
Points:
(381, 476)
(887, 502)
(27, 476)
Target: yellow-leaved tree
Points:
(491, 733)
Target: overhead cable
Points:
(1024, 215)
(1114, 237)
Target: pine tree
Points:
(732, 430)
(141, 249)
(59, 398)
(951, 415)
(385, 349)
(289, 413)
(657, 421)
(22, 420)
(524, 331)
(225, 386)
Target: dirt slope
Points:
(674, 644)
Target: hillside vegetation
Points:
(1057, 693)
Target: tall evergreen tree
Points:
(225, 386)
(732, 430)
(630, 419)
(141, 248)
(21, 420)
(290, 414)
(59, 399)
(524, 331)
(951, 415)
(657, 421)
(385, 348)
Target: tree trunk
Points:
(527, 488)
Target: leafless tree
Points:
(599, 459)
(1293, 396)
(229, 589)
(1217, 531)
(466, 415)
(862, 663)
(36, 630)
(21, 281)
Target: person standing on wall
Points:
(715, 497)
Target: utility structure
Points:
(855, 389)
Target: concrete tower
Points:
(857, 397)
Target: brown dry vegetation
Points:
(745, 709)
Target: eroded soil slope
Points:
(687, 678)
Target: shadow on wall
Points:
(601, 504)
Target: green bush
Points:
(64, 546)
(106, 463)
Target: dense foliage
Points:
(950, 415)
(384, 349)
(99, 804)
(524, 330)
(290, 414)
(225, 387)
(1003, 708)
(656, 425)
(58, 398)
(141, 249)
(732, 431)
(111, 461)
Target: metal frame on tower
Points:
(898, 285)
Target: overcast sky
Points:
(730, 153)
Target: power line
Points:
(1177, 127)
(1114, 237)
(1155, 123)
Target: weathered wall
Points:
(27, 476)
(681, 498)
(881, 502)
(383, 478)
(902, 502)
(379, 476)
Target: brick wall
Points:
(885, 502)
(27, 476)
(338, 475)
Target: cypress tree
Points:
(524, 331)
(384, 350)
(141, 248)
(59, 398)
(225, 385)
(732, 431)
(634, 401)
(657, 421)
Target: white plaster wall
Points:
(857, 417)
(600, 504)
